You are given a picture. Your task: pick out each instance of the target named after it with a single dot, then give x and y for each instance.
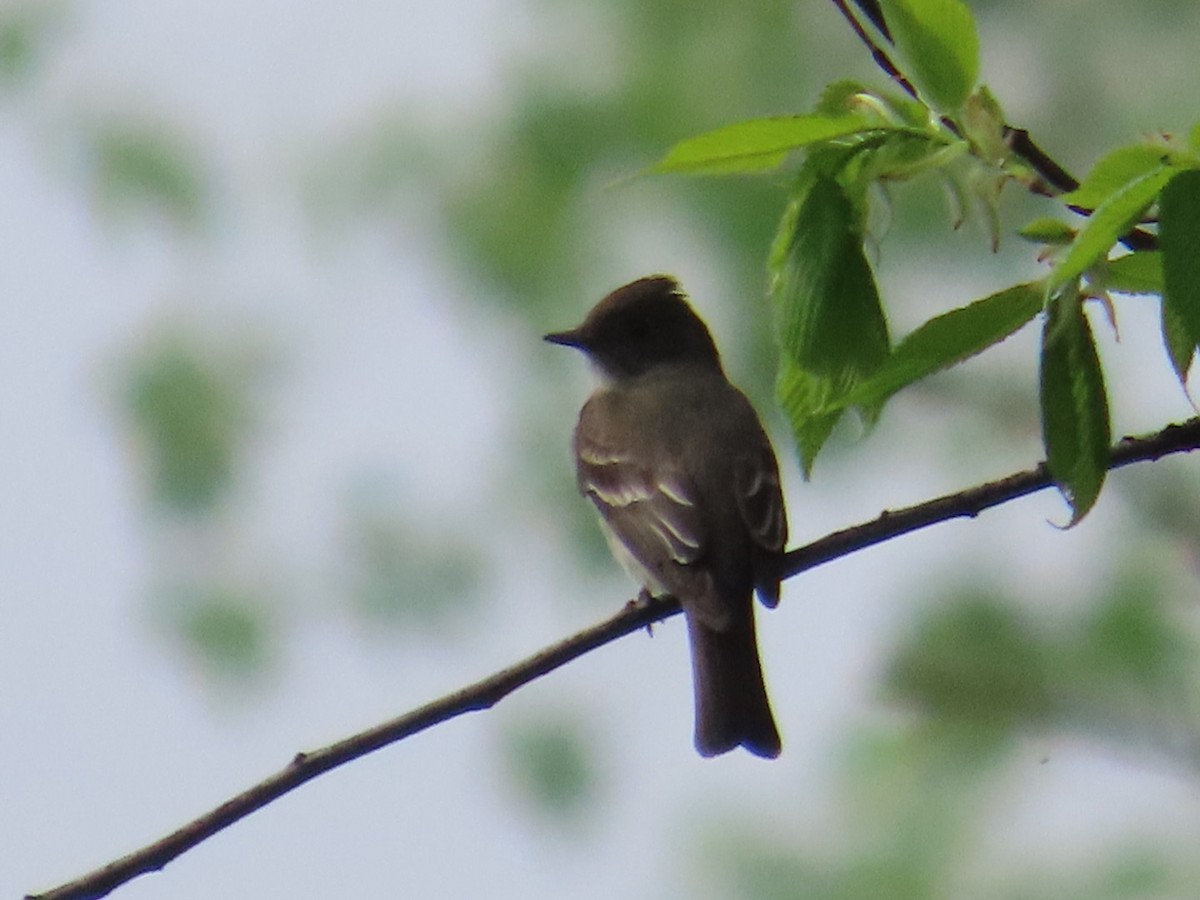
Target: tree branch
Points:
(1052, 178)
(635, 615)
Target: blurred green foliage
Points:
(139, 166)
(1128, 639)
(226, 630)
(919, 831)
(516, 198)
(1165, 497)
(409, 574)
(1122, 668)
(26, 30)
(551, 765)
(910, 815)
(975, 662)
(190, 403)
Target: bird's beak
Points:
(566, 338)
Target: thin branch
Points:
(873, 12)
(1022, 144)
(1052, 178)
(878, 54)
(635, 615)
(971, 502)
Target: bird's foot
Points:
(641, 602)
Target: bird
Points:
(686, 484)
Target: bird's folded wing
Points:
(760, 501)
(655, 516)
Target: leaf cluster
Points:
(836, 351)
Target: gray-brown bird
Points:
(687, 486)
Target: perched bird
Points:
(677, 463)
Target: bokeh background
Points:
(284, 456)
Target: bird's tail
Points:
(732, 708)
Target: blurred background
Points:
(284, 456)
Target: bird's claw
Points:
(641, 602)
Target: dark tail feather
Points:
(731, 700)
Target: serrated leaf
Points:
(831, 321)
(1047, 231)
(939, 41)
(1075, 422)
(1113, 218)
(1179, 236)
(806, 400)
(755, 145)
(1181, 349)
(949, 339)
(831, 326)
(1136, 273)
(1112, 172)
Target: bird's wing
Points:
(654, 515)
(760, 501)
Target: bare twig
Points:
(634, 616)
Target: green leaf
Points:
(1075, 424)
(949, 339)
(1181, 348)
(831, 321)
(831, 325)
(808, 401)
(1179, 235)
(1136, 273)
(1047, 231)
(842, 97)
(939, 41)
(756, 145)
(1113, 218)
(1113, 172)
